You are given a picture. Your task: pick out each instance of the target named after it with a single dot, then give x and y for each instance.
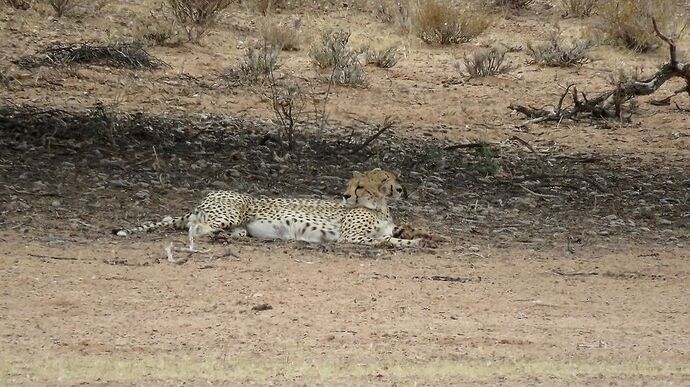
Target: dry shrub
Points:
(384, 58)
(559, 53)
(398, 13)
(197, 16)
(159, 28)
(439, 22)
(515, 4)
(334, 53)
(18, 4)
(285, 36)
(258, 63)
(579, 8)
(61, 6)
(485, 62)
(266, 6)
(629, 22)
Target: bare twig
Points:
(54, 257)
(388, 123)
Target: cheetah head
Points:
(375, 181)
(366, 194)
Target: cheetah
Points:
(216, 203)
(368, 222)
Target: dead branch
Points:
(388, 123)
(607, 105)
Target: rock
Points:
(119, 183)
(38, 186)
(55, 203)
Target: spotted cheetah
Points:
(368, 222)
(216, 203)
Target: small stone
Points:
(55, 203)
(234, 173)
(474, 249)
(143, 194)
(119, 183)
(38, 186)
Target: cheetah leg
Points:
(406, 231)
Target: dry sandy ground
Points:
(508, 302)
(74, 313)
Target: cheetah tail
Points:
(179, 222)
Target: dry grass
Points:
(158, 28)
(440, 22)
(119, 368)
(558, 52)
(514, 4)
(485, 62)
(629, 22)
(384, 58)
(579, 8)
(285, 36)
(197, 16)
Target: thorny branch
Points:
(608, 104)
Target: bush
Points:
(334, 53)
(515, 4)
(266, 6)
(579, 8)
(629, 22)
(18, 4)
(385, 58)
(158, 29)
(258, 64)
(395, 12)
(557, 53)
(439, 22)
(280, 35)
(197, 16)
(486, 62)
(61, 6)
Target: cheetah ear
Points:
(357, 174)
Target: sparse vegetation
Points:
(266, 6)
(334, 53)
(486, 163)
(158, 29)
(440, 22)
(288, 103)
(120, 55)
(485, 62)
(61, 6)
(285, 36)
(395, 12)
(18, 4)
(559, 53)
(258, 63)
(629, 22)
(384, 58)
(197, 16)
(579, 8)
(515, 4)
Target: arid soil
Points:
(569, 261)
